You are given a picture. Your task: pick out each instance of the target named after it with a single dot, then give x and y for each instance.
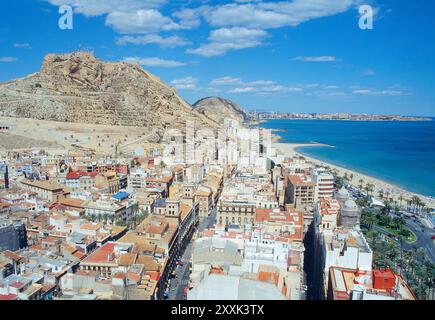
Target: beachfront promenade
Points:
(289, 149)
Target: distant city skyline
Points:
(289, 56)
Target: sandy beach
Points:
(289, 149)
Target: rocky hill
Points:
(77, 87)
(219, 109)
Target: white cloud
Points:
(262, 83)
(266, 15)
(127, 16)
(8, 59)
(225, 81)
(154, 62)
(191, 18)
(240, 25)
(336, 94)
(227, 39)
(22, 45)
(370, 92)
(92, 8)
(242, 90)
(140, 21)
(169, 42)
(368, 72)
(316, 59)
(237, 85)
(266, 89)
(247, 1)
(188, 83)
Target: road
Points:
(424, 236)
(423, 233)
(181, 279)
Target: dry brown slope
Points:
(218, 109)
(77, 87)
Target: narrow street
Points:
(181, 279)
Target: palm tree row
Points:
(418, 205)
(415, 266)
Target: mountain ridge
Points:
(78, 87)
(218, 109)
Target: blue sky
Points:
(295, 56)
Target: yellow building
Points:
(301, 191)
(204, 197)
(239, 212)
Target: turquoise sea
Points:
(402, 153)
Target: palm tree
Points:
(387, 195)
(369, 188)
(399, 222)
(388, 207)
(369, 219)
(428, 211)
(381, 194)
(416, 201)
(422, 206)
(400, 201)
(361, 184)
(408, 204)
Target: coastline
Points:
(289, 149)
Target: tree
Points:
(368, 218)
(339, 182)
(387, 207)
(408, 204)
(369, 188)
(361, 184)
(400, 201)
(416, 201)
(385, 220)
(422, 206)
(398, 223)
(387, 195)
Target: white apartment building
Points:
(324, 181)
(344, 248)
